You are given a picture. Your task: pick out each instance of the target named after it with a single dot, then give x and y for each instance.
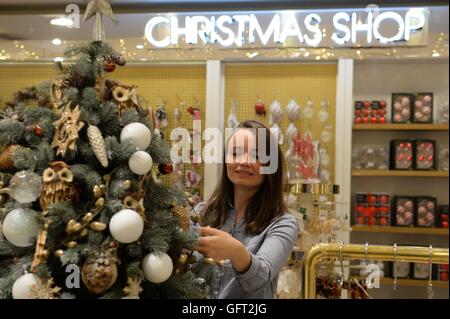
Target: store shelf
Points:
(400, 230)
(400, 127)
(398, 173)
(411, 282)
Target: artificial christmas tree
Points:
(77, 161)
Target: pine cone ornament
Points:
(99, 272)
(183, 216)
(74, 80)
(118, 58)
(6, 160)
(98, 144)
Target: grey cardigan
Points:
(269, 251)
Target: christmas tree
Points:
(82, 211)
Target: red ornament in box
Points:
(372, 209)
(401, 107)
(401, 154)
(442, 220)
(423, 108)
(425, 155)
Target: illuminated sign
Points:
(370, 28)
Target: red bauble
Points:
(444, 224)
(383, 103)
(366, 104)
(109, 66)
(371, 221)
(357, 120)
(383, 221)
(365, 120)
(38, 130)
(384, 210)
(165, 168)
(260, 108)
(372, 199)
(382, 120)
(444, 217)
(360, 209)
(372, 210)
(444, 266)
(443, 276)
(373, 119)
(358, 112)
(366, 113)
(384, 199)
(360, 220)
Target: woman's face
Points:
(243, 167)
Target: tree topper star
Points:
(99, 8)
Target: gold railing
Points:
(320, 252)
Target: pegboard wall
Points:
(317, 82)
(155, 83)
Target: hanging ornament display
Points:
(58, 185)
(138, 133)
(98, 8)
(25, 186)
(140, 163)
(177, 174)
(98, 144)
(157, 268)
(260, 107)
(126, 226)
(133, 288)
(308, 112)
(6, 158)
(22, 287)
(232, 117)
(20, 227)
(293, 111)
(276, 114)
(308, 152)
(193, 179)
(99, 272)
(182, 215)
(66, 130)
(161, 117)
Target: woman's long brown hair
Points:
(263, 207)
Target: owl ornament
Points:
(125, 96)
(58, 185)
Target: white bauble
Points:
(20, 226)
(140, 163)
(308, 112)
(25, 186)
(325, 136)
(157, 268)
(323, 116)
(138, 133)
(126, 226)
(22, 286)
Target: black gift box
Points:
(422, 271)
(403, 269)
(422, 111)
(442, 219)
(401, 107)
(401, 154)
(403, 211)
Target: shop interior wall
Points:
(375, 80)
(247, 82)
(155, 83)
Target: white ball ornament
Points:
(20, 226)
(140, 163)
(138, 133)
(157, 268)
(126, 226)
(23, 285)
(25, 186)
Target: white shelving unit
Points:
(376, 80)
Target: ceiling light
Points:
(56, 41)
(140, 46)
(63, 22)
(59, 59)
(435, 54)
(252, 55)
(306, 54)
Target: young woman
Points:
(245, 222)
